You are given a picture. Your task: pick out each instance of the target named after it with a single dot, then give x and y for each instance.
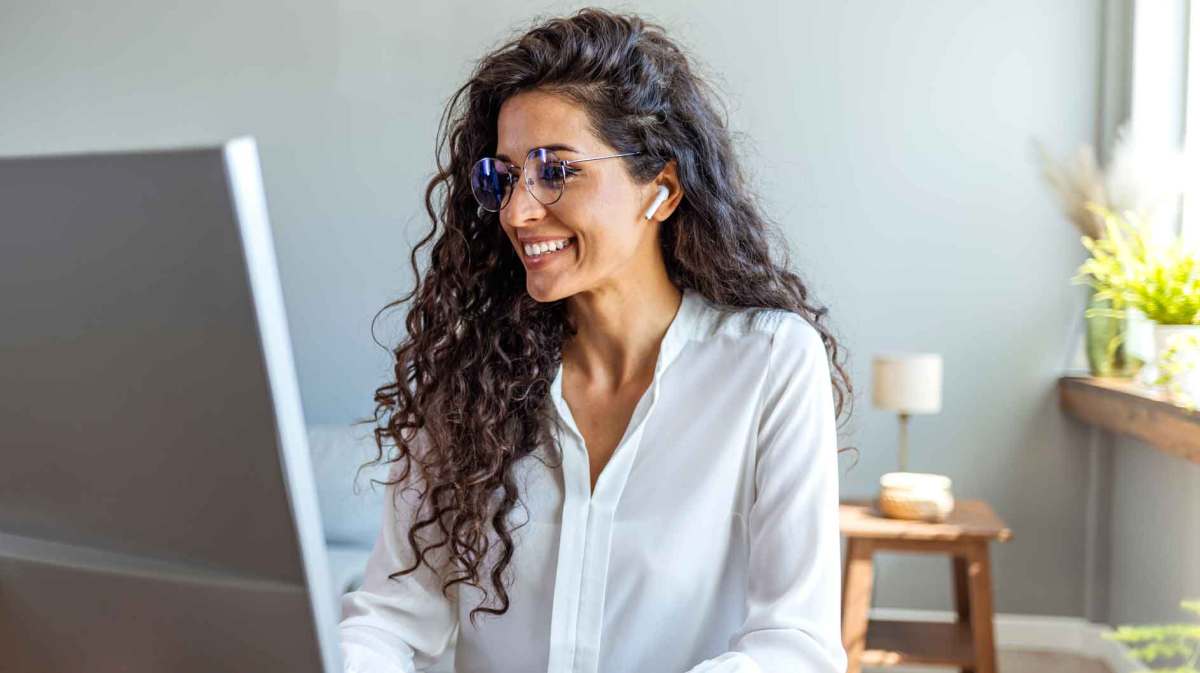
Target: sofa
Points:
(352, 507)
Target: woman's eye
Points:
(554, 173)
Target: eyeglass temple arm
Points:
(611, 156)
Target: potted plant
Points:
(1120, 257)
(1175, 646)
(1170, 296)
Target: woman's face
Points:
(600, 210)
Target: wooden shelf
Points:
(900, 643)
(1128, 408)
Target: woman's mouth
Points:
(539, 254)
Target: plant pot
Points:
(1108, 351)
(1185, 384)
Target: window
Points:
(1163, 95)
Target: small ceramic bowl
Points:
(916, 496)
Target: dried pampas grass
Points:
(1138, 178)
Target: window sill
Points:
(1134, 410)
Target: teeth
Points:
(536, 249)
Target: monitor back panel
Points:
(156, 502)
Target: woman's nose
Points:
(522, 207)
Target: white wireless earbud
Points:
(663, 193)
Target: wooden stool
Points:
(967, 643)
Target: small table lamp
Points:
(910, 383)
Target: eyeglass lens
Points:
(490, 180)
(544, 175)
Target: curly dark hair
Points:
(474, 373)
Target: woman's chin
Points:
(549, 285)
(544, 292)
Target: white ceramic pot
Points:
(1187, 339)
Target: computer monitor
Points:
(157, 503)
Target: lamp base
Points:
(916, 496)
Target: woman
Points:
(614, 416)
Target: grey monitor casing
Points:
(157, 504)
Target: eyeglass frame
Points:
(565, 165)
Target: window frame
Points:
(1189, 225)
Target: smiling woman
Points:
(616, 408)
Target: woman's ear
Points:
(667, 180)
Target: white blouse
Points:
(710, 545)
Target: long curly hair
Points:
(473, 375)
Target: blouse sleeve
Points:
(793, 598)
(399, 625)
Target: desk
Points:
(967, 643)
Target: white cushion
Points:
(346, 566)
(351, 506)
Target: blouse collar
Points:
(678, 333)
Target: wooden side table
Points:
(967, 643)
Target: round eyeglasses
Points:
(545, 177)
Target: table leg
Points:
(962, 596)
(979, 580)
(856, 600)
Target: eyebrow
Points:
(552, 147)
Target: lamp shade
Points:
(909, 383)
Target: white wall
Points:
(890, 139)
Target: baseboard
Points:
(1072, 635)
